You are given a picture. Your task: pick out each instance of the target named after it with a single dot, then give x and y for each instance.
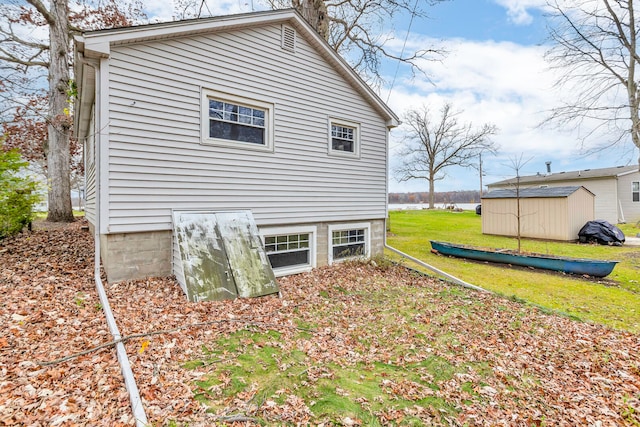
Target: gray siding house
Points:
(616, 189)
(244, 112)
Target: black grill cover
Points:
(602, 232)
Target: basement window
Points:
(290, 250)
(635, 191)
(349, 241)
(236, 121)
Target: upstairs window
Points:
(344, 138)
(235, 121)
(635, 191)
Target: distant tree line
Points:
(443, 197)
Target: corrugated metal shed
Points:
(554, 213)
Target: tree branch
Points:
(168, 331)
(40, 7)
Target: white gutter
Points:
(436, 270)
(139, 415)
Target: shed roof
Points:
(539, 192)
(599, 173)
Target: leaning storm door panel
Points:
(249, 263)
(221, 256)
(207, 272)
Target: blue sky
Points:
(494, 72)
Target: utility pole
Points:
(480, 176)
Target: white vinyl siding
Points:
(630, 209)
(90, 173)
(156, 160)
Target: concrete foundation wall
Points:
(130, 256)
(136, 255)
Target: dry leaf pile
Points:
(49, 309)
(539, 369)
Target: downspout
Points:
(434, 269)
(448, 276)
(125, 367)
(129, 380)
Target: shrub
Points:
(17, 194)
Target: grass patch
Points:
(389, 359)
(261, 372)
(613, 301)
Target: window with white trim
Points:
(290, 249)
(635, 191)
(348, 241)
(236, 121)
(344, 138)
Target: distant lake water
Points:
(416, 206)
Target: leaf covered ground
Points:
(355, 344)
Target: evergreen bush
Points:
(18, 194)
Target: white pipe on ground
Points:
(125, 367)
(436, 270)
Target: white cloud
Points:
(502, 83)
(164, 10)
(518, 10)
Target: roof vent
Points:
(288, 38)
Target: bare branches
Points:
(433, 144)
(595, 49)
(40, 7)
(356, 30)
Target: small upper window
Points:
(635, 191)
(344, 138)
(235, 121)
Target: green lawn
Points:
(614, 300)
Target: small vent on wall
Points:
(288, 38)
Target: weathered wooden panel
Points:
(207, 273)
(249, 263)
(221, 256)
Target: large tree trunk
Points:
(59, 120)
(315, 13)
(432, 193)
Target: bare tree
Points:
(433, 144)
(359, 30)
(595, 48)
(517, 163)
(25, 58)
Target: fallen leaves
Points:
(513, 364)
(41, 276)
